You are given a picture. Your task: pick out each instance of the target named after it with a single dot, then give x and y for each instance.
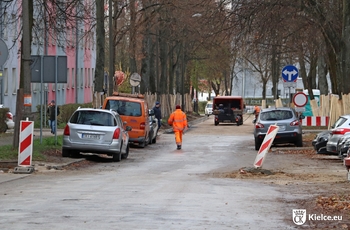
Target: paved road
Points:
(158, 187)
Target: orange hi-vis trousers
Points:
(178, 137)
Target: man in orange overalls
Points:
(178, 120)
(256, 111)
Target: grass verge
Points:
(7, 152)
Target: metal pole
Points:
(183, 77)
(243, 80)
(56, 100)
(1, 69)
(76, 59)
(41, 98)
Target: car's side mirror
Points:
(128, 128)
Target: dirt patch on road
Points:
(320, 180)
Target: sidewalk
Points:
(7, 174)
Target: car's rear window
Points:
(339, 122)
(126, 108)
(276, 115)
(93, 118)
(209, 105)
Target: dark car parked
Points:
(343, 145)
(320, 142)
(153, 123)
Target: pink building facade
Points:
(77, 44)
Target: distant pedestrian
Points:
(178, 120)
(158, 113)
(256, 113)
(52, 116)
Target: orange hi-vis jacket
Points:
(256, 109)
(178, 120)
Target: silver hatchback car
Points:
(97, 131)
(290, 127)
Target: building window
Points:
(6, 81)
(73, 78)
(81, 78)
(6, 27)
(89, 84)
(14, 80)
(86, 77)
(68, 79)
(92, 77)
(14, 31)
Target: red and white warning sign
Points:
(300, 99)
(265, 146)
(25, 149)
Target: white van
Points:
(208, 108)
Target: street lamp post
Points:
(183, 77)
(196, 15)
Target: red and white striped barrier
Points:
(265, 146)
(315, 121)
(25, 149)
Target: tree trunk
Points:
(100, 48)
(274, 72)
(163, 51)
(346, 48)
(132, 38)
(322, 76)
(145, 64)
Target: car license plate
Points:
(282, 127)
(90, 136)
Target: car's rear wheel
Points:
(299, 142)
(65, 153)
(150, 139)
(257, 144)
(216, 123)
(147, 141)
(74, 153)
(155, 138)
(117, 157)
(142, 144)
(126, 154)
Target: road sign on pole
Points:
(300, 99)
(290, 75)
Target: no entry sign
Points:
(300, 99)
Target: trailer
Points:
(228, 109)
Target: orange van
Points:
(133, 110)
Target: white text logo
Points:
(299, 216)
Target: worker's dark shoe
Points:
(178, 146)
